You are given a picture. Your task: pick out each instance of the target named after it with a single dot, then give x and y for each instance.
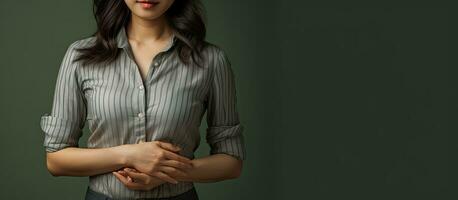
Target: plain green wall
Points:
(337, 102)
(369, 103)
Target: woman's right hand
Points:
(157, 158)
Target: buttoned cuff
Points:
(59, 133)
(228, 140)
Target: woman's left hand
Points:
(136, 180)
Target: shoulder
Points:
(219, 64)
(81, 43)
(69, 61)
(213, 50)
(216, 55)
(72, 53)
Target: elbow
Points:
(50, 164)
(236, 171)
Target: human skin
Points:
(150, 163)
(217, 167)
(158, 156)
(149, 157)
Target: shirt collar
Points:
(123, 42)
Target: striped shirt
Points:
(120, 107)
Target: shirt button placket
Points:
(141, 115)
(141, 128)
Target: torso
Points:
(119, 109)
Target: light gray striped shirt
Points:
(122, 108)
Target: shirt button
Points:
(156, 64)
(140, 114)
(140, 87)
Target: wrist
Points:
(196, 164)
(190, 172)
(121, 154)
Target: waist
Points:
(112, 188)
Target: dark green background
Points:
(338, 102)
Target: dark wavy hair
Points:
(186, 17)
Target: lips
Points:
(147, 1)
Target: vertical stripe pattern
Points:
(120, 107)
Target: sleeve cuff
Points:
(59, 133)
(228, 140)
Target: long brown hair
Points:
(186, 17)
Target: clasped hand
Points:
(152, 164)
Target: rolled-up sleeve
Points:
(63, 127)
(225, 132)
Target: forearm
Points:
(74, 161)
(213, 168)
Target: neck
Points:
(142, 30)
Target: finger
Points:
(126, 177)
(127, 183)
(139, 177)
(122, 172)
(168, 146)
(121, 178)
(177, 164)
(171, 170)
(174, 156)
(165, 177)
(130, 169)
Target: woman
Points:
(142, 82)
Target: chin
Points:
(148, 16)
